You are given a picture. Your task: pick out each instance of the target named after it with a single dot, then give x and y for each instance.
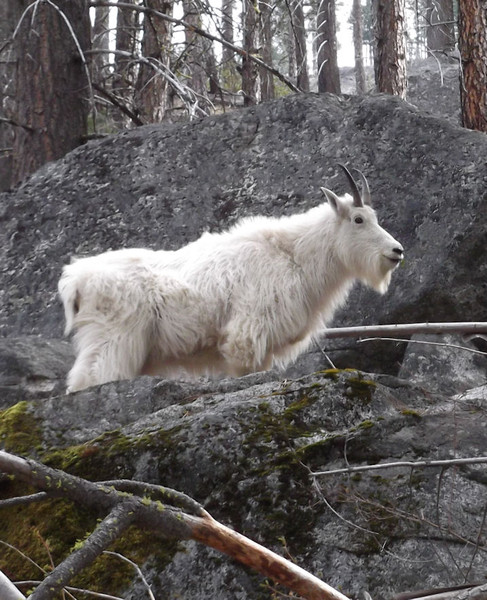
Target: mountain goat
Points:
(229, 303)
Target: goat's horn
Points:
(357, 198)
(365, 188)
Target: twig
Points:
(120, 105)
(404, 463)
(38, 497)
(439, 66)
(455, 592)
(33, 582)
(136, 567)
(27, 558)
(425, 342)
(15, 124)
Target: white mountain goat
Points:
(229, 303)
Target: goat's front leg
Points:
(109, 358)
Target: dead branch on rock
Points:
(124, 508)
(391, 331)
(404, 463)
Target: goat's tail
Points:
(68, 290)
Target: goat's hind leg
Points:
(245, 349)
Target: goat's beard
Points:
(381, 285)
(380, 278)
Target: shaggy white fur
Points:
(229, 303)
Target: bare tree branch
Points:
(458, 592)
(158, 492)
(23, 500)
(389, 331)
(424, 342)
(405, 463)
(120, 105)
(15, 124)
(112, 526)
(163, 520)
(188, 96)
(203, 33)
(34, 582)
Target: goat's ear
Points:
(335, 202)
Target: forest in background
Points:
(74, 69)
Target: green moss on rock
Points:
(19, 429)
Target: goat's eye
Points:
(358, 220)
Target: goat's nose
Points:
(398, 250)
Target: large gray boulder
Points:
(160, 186)
(246, 448)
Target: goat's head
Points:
(365, 248)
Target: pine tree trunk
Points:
(194, 53)
(266, 78)
(99, 41)
(328, 74)
(124, 72)
(251, 43)
(230, 79)
(10, 13)
(52, 93)
(299, 34)
(472, 24)
(151, 89)
(390, 57)
(358, 41)
(290, 45)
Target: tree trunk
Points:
(266, 78)
(124, 72)
(211, 67)
(299, 35)
(194, 52)
(440, 32)
(151, 90)
(99, 41)
(251, 43)
(289, 42)
(390, 57)
(10, 13)
(358, 42)
(229, 77)
(472, 25)
(328, 74)
(52, 94)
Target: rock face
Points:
(245, 448)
